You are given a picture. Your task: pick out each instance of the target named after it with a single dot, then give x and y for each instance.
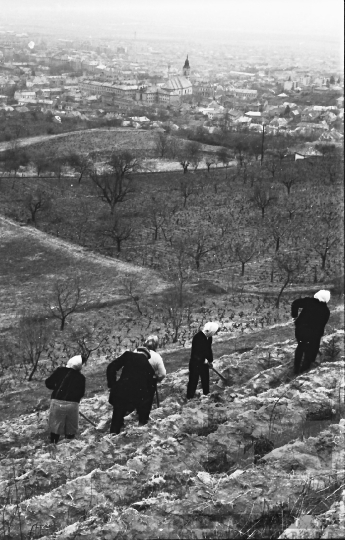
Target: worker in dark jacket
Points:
(68, 385)
(133, 390)
(310, 326)
(201, 357)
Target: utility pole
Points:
(262, 143)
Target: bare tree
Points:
(199, 244)
(112, 188)
(118, 229)
(83, 340)
(326, 233)
(66, 297)
(262, 198)
(41, 162)
(83, 218)
(187, 188)
(273, 165)
(158, 213)
(81, 164)
(244, 252)
(124, 163)
(209, 160)
(289, 177)
(36, 202)
(173, 148)
(33, 335)
(134, 286)
(162, 143)
(290, 264)
(194, 150)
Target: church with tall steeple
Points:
(186, 69)
(180, 84)
(173, 91)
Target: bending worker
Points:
(134, 388)
(68, 385)
(310, 326)
(156, 362)
(201, 357)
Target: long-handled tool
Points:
(224, 379)
(87, 419)
(157, 397)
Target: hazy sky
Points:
(323, 18)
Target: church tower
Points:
(186, 68)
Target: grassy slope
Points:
(31, 261)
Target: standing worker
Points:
(156, 362)
(310, 326)
(68, 385)
(133, 390)
(201, 357)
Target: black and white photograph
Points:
(172, 270)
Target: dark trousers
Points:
(196, 371)
(120, 410)
(307, 348)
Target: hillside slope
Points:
(244, 461)
(32, 261)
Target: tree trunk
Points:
(33, 370)
(262, 212)
(323, 257)
(277, 243)
(272, 274)
(62, 325)
(281, 291)
(118, 244)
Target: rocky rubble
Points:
(212, 467)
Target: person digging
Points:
(156, 361)
(68, 385)
(309, 327)
(201, 359)
(134, 388)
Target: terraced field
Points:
(247, 460)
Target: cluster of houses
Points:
(85, 80)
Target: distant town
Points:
(139, 83)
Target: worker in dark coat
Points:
(133, 390)
(310, 326)
(68, 385)
(201, 357)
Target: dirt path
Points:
(42, 138)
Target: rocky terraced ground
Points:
(259, 457)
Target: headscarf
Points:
(323, 296)
(151, 342)
(75, 362)
(210, 328)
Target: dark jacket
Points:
(135, 383)
(201, 349)
(67, 384)
(314, 314)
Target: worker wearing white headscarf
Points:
(323, 296)
(201, 357)
(310, 327)
(68, 385)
